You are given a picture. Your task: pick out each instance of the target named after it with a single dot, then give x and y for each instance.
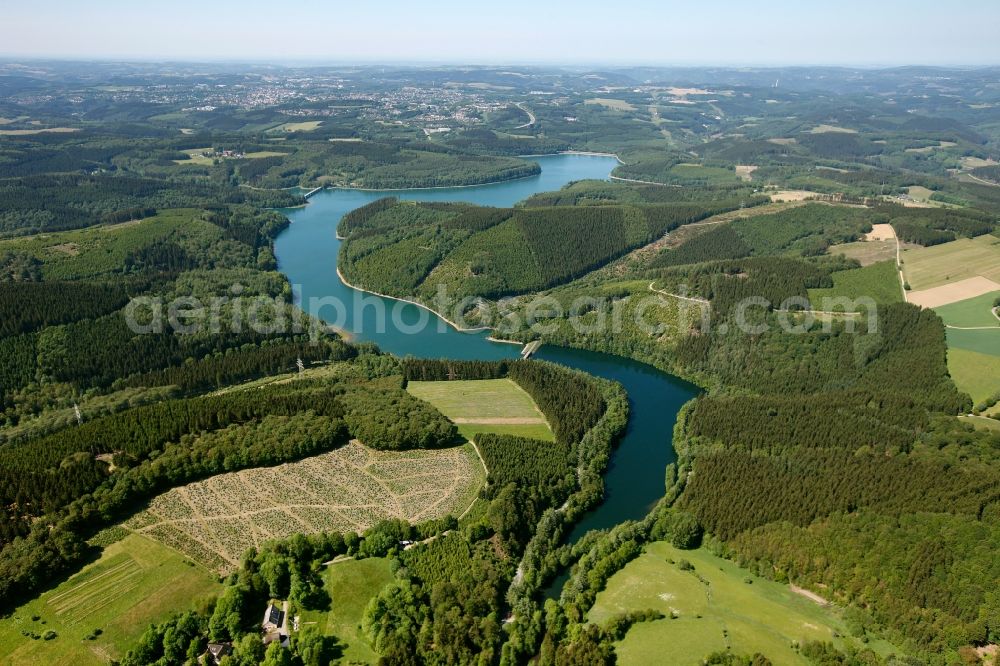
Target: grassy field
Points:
(489, 405)
(949, 262)
(40, 130)
(982, 422)
(976, 162)
(867, 252)
(717, 611)
(879, 282)
(616, 104)
(970, 312)
(985, 341)
(263, 153)
(214, 521)
(351, 585)
(918, 193)
(135, 582)
(304, 126)
(197, 156)
(827, 129)
(973, 355)
(535, 431)
(974, 372)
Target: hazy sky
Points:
(751, 32)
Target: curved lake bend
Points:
(307, 254)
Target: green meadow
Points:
(974, 372)
(970, 312)
(97, 614)
(973, 355)
(488, 405)
(715, 606)
(351, 585)
(985, 341)
(879, 282)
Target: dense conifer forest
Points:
(404, 249)
(821, 452)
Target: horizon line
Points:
(322, 61)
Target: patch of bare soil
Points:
(952, 293)
(72, 249)
(881, 232)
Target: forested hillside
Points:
(60, 488)
(58, 202)
(450, 589)
(836, 431)
(810, 437)
(830, 448)
(408, 249)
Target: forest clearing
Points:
(487, 405)
(214, 521)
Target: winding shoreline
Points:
(429, 309)
(436, 187)
(634, 475)
(641, 182)
(591, 153)
(434, 312)
(456, 187)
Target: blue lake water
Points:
(307, 253)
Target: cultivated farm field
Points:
(304, 126)
(960, 259)
(135, 582)
(970, 312)
(488, 405)
(953, 292)
(976, 373)
(866, 252)
(616, 104)
(39, 130)
(214, 521)
(881, 232)
(973, 345)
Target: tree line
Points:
(47, 203)
(881, 421)
(391, 418)
(56, 542)
(41, 476)
(237, 364)
(932, 226)
(285, 569)
(735, 491)
(508, 250)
